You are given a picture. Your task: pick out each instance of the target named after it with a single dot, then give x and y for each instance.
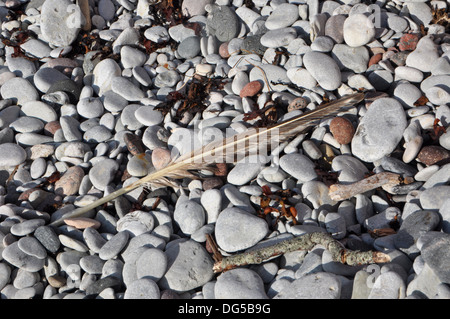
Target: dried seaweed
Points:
(194, 100)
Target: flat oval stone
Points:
(299, 166)
(350, 169)
(16, 257)
(102, 173)
(31, 246)
(11, 154)
(27, 124)
(48, 238)
(19, 90)
(342, 129)
(136, 223)
(44, 78)
(237, 229)
(114, 246)
(380, 130)
(283, 16)
(324, 69)
(26, 227)
(39, 110)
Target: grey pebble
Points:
(16, 257)
(239, 284)
(151, 264)
(143, 288)
(48, 238)
(26, 227)
(114, 246)
(186, 257)
(237, 229)
(320, 285)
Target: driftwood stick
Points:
(304, 242)
(340, 192)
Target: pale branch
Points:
(304, 242)
(340, 192)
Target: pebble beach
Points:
(96, 94)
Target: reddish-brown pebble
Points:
(251, 89)
(160, 158)
(70, 182)
(408, 42)
(342, 129)
(82, 222)
(51, 127)
(432, 154)
(375, 59)
(223, 50)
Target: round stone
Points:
(103, 173)
(358, 30)
(189, 47)
(152, 264)
(342, 129)
(90, 107)
(380, 130)
(241, 284)
(237, 229)
(190, 216)
(189, 266)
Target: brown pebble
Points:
(82, 222)
(134, 144)
(342, 129)
(432, 154)
(375, 59)
(297, 104)
(251, 89)
(51, 127)
(223, 50)
(57, 281)
(161, 158)
(211, 183)
(70, 182)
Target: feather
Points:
(254, 141)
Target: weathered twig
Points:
(304, 242)
(340, 192)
